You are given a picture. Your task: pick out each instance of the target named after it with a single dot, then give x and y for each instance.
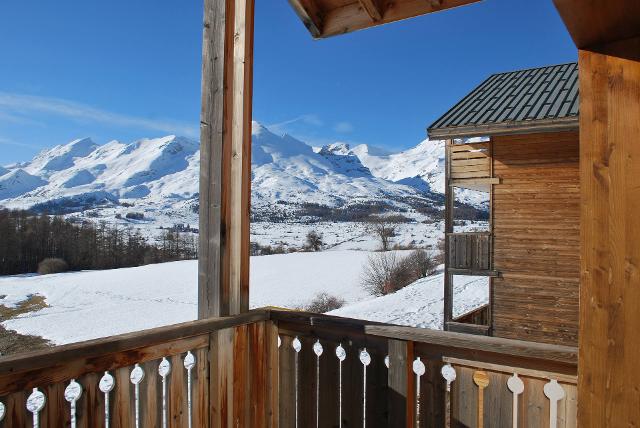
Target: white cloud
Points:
(305, 119)
(13, 104)
(343, 127)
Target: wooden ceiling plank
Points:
(372, 9)
(597, 22)
(309, 14)
(350, 17)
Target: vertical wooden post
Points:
(225, 188)
(225, 168)
(398, 381)
(608, 369)
(449, 199)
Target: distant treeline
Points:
(26, 239)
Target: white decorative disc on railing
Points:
(418, 367)
(317, 348)
(365, 358)
(279, 342)
(137, 375)
(106, 383)
(164, 368)
(73, 391)
(516, 386)
(449, 375)
(36, 401)
(297, 346)
(387, 361)
(3, 410)
(189, 361)
(341, 353)
(554, 393)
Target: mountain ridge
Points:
(162, 173)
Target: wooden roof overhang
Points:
(507, 128)
(326, 18)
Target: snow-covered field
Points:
(92, 304)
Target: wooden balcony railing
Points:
(469, 252)
(291, 369)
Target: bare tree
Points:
(324, 302)
(384, 229)
(377, 275)
(314, 241)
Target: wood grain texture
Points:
(227, 86)
(326, 18)
(535, 213)
(610, 231)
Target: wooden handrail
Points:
(98, 347)
(562, 359)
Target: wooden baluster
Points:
(342, 355)
(164, 368)
(189, 364)
(481, 379)
(449, 375)
(136, 377)
(419, 369)
(365, 359)
(317, 349)
(72, 394)
(554, 393)
(35, 403)
(516, 386)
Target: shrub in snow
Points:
(386, 272)
(314, 241)
(48, 266)
(422, 263)
(324, 302)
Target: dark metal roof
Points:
(533, 100)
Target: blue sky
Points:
(131, 69)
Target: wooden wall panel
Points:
(609, 373)
(536, 217)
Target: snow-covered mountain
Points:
(161, 175)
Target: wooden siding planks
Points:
(536, 217)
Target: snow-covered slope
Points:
(88, 305)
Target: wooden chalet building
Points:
(268, 368)
(529, 168)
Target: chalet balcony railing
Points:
(469, 251)
(291, 369)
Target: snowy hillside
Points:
(87, 305)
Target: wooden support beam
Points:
(609, 373)
(225, 168)
(372, 9)
(309, 14)
(449, 200)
